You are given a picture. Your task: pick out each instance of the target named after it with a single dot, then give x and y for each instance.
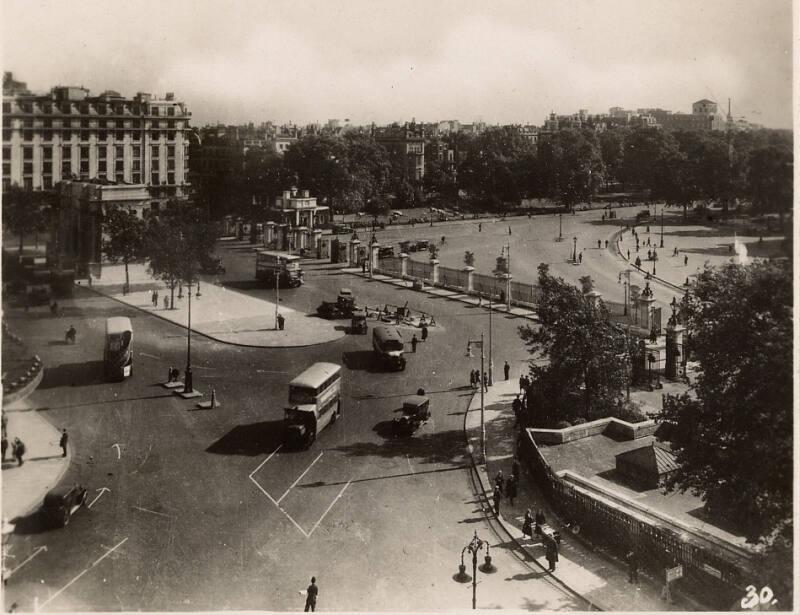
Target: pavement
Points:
(220, 313)
(596, 577)
(24, 487)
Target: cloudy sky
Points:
(374, 60)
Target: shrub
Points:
(629, 411)
(563, 424)
(579, 421)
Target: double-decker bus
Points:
(314, 403)
(117, 353)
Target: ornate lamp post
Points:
(574, 249)
(662, 228)
(626, 288)
(474, 547)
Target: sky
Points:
(382, 61)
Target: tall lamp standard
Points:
(662, 228)
(574, 249)
(474, 547)
(188, 385)
(626, 288)
(470, 344)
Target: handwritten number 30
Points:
(752, 599)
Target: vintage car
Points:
(62, 502)
(416, 410)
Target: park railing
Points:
(713, 569)
(489, 286)
(522, 293)
(420, 270)
(457, 279)
(391, 265)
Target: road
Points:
(202, 510)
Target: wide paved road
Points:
(206, 511)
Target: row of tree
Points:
(175, 243)
(500, 166)
(733, 432)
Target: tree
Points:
(733, 433)
(24, 212)
(177, 242)
(124, 237)
(769, 179)
(572, 165)
(584, 375)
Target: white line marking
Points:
(118, 450)
(409, 464)
(30, 557)
(152, 356)
(153, 512)
(299, 477)
(267, 371)
(266, 460)
(271, 499)
(102, 490)
(97, 561)
(327, 510)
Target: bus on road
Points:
(280, 266)
(117, 354)
(314, 403)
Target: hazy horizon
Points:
(508, 62)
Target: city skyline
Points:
(307, 63)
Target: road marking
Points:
(97, 561)
(102, 490)
(266, 460)
(153, 512)
(271, 499)
(266, 371)
(409, 464)
(299, 477)
(119, 454)
(30, 557)
(151, 356)
(327, 510)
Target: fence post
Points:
(435, 271)
(470, 272)
(403, 265)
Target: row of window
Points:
(66, 168)
(84, 108)
(66, 152)
(88, 124)
(66, 173)
(66, 135)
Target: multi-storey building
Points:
(70, 135)
(406, 147)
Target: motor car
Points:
(340, 229)
(62, 502)
(643, 215)
(385, 252)
(422, 244)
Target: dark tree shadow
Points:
(727, 525)
(363, 360)
(620, 479)
(73, 374)
(421, 447)
(250, 440)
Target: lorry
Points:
(278, 266)
(343, 307)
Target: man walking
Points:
(19, 450)
(511, 488)
(485, 383)
(63, 442)
(496, 497)
(506, 369)
(414, 343)
(551, 552)
(516, 406)
(311, 595)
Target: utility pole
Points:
(482, 384)
(277, 299)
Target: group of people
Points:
(17, 447)
(533, 525)
(475, 380)
(505, 487)
(154, 298)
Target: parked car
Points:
(62, 502)
(341, 229)
(385, 252)
(643, 215)
(422, 245)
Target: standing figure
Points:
(63, 442)
(19, 450)
(311, 595)
(506, 369)
(511, 488)
(424, 332)
(414, 343)
(551, 552)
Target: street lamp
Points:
(560, 236)
(574, 249)
(188, 385)
(626, 288)
(662, 227)
(471, 343)
(650, 360)
(474, 547)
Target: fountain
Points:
(740, 250)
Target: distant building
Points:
(296, 222)
(70, 135)
(406, 146)
(705, 107)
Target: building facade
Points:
(70, 135)
(406, 146)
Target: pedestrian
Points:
(311, 595)
(506, 369)
(685, 260)
(472, 379)
(480, 227)
(648, 228)
(19, 450)
(606, 243)
(675, 251)
(598, 244)
(633, 566)
(497, 497)
(527, 524)
(499, 482)
(424, 332)
(649, 255)
(166, 302)
(516, 406)
(414, 342)
(281, 322)
(580, 257)
(155, 298)
(638, 262)
(629, 255)
(551, 553)
(522, 383)
(511, 488)
(63, 442)
(5, 446)
(485, 382)
(509, 230)
(540, 521)
(364, 266)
